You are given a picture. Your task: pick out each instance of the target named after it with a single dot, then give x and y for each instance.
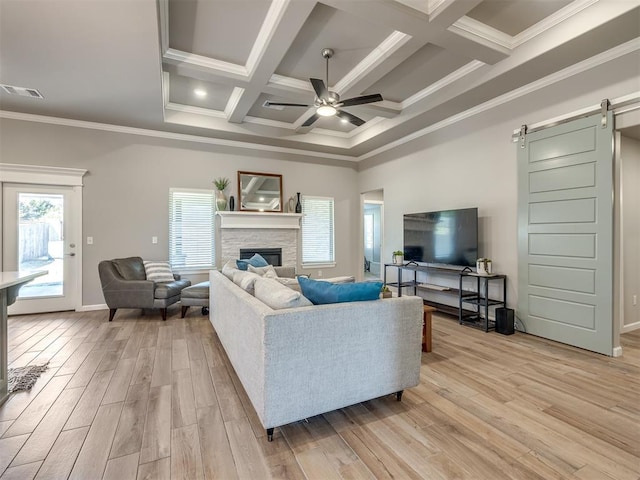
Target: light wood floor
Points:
(142, 398)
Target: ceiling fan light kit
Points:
(326, 111)
(328, 104)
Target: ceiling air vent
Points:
(21, 91)
(266, 104)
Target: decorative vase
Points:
(232, 203)
(221, 200)
(398, 259)
(298, 204)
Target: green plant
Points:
(398, 252)
(385, 289)
(221, 183)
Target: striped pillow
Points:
(158, 271)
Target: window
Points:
(317, 230)
(191, 228)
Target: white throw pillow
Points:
(245, 280)
(278, 296)
(158, 271)
(289, 282)
(229, 269)
(266, 272)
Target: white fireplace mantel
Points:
(259, 220)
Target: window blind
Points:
(191, 228)
(317, 230)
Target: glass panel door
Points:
(39, 233)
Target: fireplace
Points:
(272, 255)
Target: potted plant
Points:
(483, 266)
(386, 293)
(221, 184)
(398, 257)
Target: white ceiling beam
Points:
(282, 23)
(400, 17)
(449, 11)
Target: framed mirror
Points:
(260, 192)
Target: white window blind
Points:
(317, 230)
(191, 228)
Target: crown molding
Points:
(179, 107)
(442, 83)
(263, 40)
(288, 83)
(388, 47)
(552, 20)
(65, 122)
(215, 66)
(163, 20)
(232, 102)
(482, 34)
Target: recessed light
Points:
(344, 120)
(262, 199)
(199, 92)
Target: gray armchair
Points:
(125, 285)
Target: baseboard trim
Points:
(630, 328)
(91, 308)
(617, 351)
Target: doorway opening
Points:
(372, 221)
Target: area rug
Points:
(23, 378)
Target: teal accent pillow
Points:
(321, 293)
(257, 261)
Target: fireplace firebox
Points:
(272, 255)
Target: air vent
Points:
(21, 91)
(266, 104)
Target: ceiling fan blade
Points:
(311, 120)
(281, 104)
(319, 87)
(376, 97)
(357, 121)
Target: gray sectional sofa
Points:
(299, 362)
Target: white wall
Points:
(630, 190)
(473, 163)
(125, 196)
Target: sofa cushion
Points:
(245, 280)
(266, 272)
(289, 282)
(170, 289)
(158, 271)
(229, 269)
(320, 292)
(130, 268)
(277, 296)
(257, 261)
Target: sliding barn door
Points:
(565, 233)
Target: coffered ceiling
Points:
(140, 63)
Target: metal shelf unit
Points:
(480, 301)
(412, 283)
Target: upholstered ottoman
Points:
(195, 296)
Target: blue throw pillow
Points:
(257, 261)
(320, 292)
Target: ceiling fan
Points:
(328, 103)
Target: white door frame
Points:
(363, 200)
(52, 176)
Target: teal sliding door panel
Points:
(565, 233)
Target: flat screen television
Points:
(447, 237)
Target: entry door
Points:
(40, 232)
(565, 233)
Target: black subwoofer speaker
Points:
(504, 321)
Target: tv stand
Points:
(472, 303)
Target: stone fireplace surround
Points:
(249, 230)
